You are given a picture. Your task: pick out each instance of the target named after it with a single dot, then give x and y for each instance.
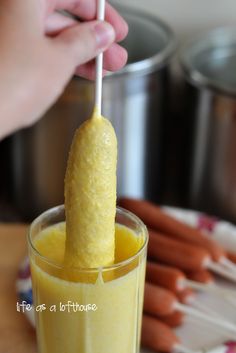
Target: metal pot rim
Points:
(156, 61)
(196, 45)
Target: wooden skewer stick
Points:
(99, 62)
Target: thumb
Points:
(83, 42)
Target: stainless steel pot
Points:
(209, 64)
(134, 99)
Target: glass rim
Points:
(117, 265)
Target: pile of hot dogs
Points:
(178, 257)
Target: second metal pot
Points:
(209, 64)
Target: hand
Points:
(41, 50)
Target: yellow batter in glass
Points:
(114, 325)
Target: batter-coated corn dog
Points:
(90, 195)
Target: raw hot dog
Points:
(202, 276)
(158, 301)
(164, 276)
(161, 302)
(176, 253)
(158, 336)
(175, 319)
(155, 218)
(231, 257)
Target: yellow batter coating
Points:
(90, 195)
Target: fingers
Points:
(73, 47)
(81, 43)
(55, 23)
(119, 24)
(115, 58)
(86, 9)
(88, 71)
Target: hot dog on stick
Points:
(175, 253)
(177, 318)
(172, 278)
(185, 256)
(232, 257)
(202, 276)
(173, 320)
(158, 336)
(176, 281)
(165, 276)
(158, 301)
(161, 302)
(155, 218)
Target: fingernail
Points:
(105, 34)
